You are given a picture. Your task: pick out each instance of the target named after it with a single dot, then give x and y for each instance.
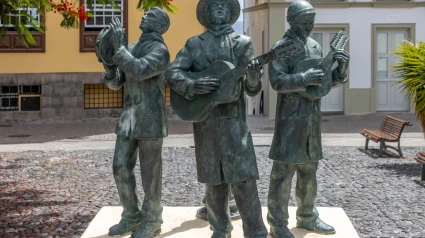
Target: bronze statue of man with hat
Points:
(139, 67)
(301, 81)
(224, 150)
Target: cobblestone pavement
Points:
(57, 194)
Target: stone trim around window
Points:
(88, 34)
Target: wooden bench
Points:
(390, 131)
(420, 157)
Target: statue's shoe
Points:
(281, 232)
(317, 226)
(123, 227)
(220, 234)
(147, 231)
(202, 213)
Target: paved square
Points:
(58, 193)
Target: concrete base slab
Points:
(180, 222)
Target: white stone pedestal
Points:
(180, 222)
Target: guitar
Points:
(199, 108)
(339, 41)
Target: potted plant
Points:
(411, 70)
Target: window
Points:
(167, 95)
(20, 98)
(9, 98)
(99, 96)
(102, 17)
(12, 43)
(31, 11)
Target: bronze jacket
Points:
(141, 71)
(297, 135)
(223, 140)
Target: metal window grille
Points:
(30, 11)
(102, 15)
(30, 89)
(9, 95)
(99, 96)
(167, 95)
(9, 98)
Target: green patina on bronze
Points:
(143, 123)
(296, 145)
(224, 150)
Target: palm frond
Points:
(411, 70)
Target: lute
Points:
(339, 41)
(198, 109)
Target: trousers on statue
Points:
(280, 191)
(124, 164)
(248, 203)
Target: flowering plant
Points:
(15, 14)
(71, 12)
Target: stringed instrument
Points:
(230, 88)
(339, 41)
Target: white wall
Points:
(360, 21)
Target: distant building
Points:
(374, 27)
(61, 76)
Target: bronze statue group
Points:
(213, 100)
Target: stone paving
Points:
(57, 193)
(69, 129)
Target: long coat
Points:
(141, 71)
(297, 136)
(223, 140)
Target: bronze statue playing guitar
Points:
(221, 83)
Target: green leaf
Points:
(411, 69)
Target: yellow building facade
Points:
(65, 75)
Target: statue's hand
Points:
(110, 70)
(206, 85)
(313, 77)
(254, 71)
(118, 33)
(342, 57)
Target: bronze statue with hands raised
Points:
(143, 122)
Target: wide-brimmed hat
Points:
(201, 12)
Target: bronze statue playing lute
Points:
(339, 41)
(198, 109)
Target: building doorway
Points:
(389, 97)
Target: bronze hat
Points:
(235, 10)
(299, 8)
